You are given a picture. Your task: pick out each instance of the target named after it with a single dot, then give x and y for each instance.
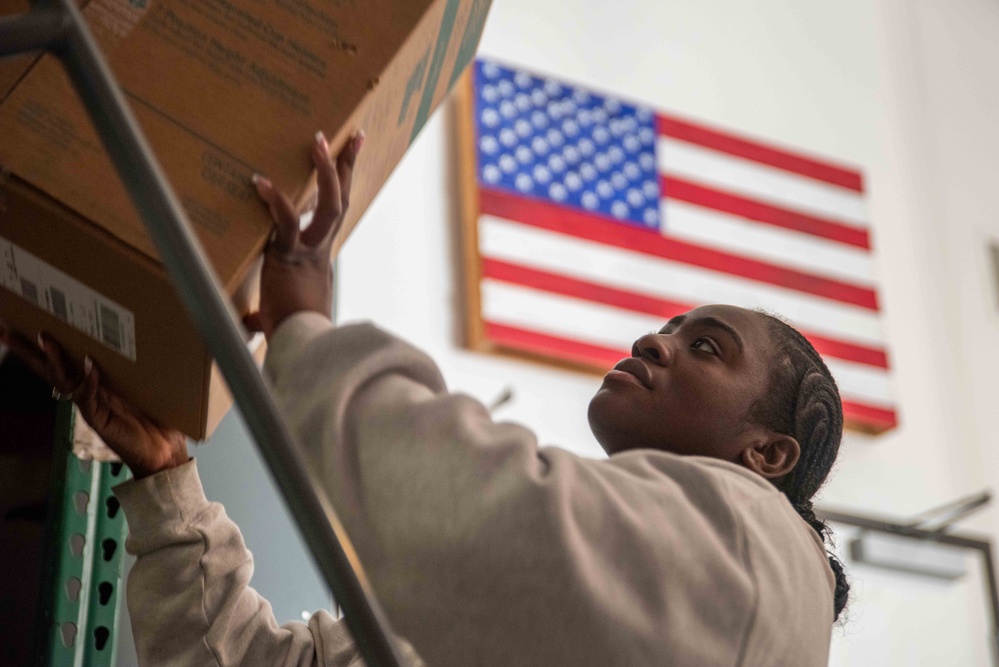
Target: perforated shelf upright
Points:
(80, 598)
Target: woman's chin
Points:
(612, 422)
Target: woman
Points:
(694, 543)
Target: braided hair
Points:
(803, 402)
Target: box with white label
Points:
(62, 275)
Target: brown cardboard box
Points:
(222, 90)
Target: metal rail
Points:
(982, 545)
(56, 25)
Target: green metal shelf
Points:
(78, 617)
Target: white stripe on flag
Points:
(711, 228)
(667, 279)
(607, 326)
(564, 317)
(771, 185)
(868, 384)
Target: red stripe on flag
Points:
(875, 419)
(869, 417)
(650, 305)
(683, 190)
(580, 289)
(828, 347)
(751, 150)
(561, 348)
(609, 232)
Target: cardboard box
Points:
(222, 90)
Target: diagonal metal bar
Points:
(36, 30)
(213, 315)
(939, 519)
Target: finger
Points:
(282, 213)
(97, 405)
(29, 354)
(86, 396)
(345, 166)
(328, 204)
(253, 323)
(64, 377)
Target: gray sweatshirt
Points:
(483, 548)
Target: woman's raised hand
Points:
(297, 274)
(144, 446)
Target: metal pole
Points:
(213, 315)
(37, 30)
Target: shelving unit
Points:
(85, 541)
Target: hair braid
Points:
(804, 402)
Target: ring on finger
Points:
(59, 396)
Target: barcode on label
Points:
(110, 328)
(34, 281)
(59, 304)
(29, 290)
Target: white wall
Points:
(904, 89)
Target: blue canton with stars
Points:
(566, 145)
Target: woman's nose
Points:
(654, 347)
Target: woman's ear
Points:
(773, 457)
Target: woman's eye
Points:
(705, 345)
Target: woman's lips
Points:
(631, 370)
(621, 376)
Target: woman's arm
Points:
(189, 596)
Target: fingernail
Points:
(321, 140)
(260, 180)
(359, 140)
(88, 365)
(41, 340)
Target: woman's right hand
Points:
(144, 446)
(297, 275)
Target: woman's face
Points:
(688, 389)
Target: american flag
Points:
(599, 219)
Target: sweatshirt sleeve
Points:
(189, 596)
(409, 466)
(427, 486)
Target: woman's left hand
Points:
(143, 445)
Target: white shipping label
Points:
(67, 299)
